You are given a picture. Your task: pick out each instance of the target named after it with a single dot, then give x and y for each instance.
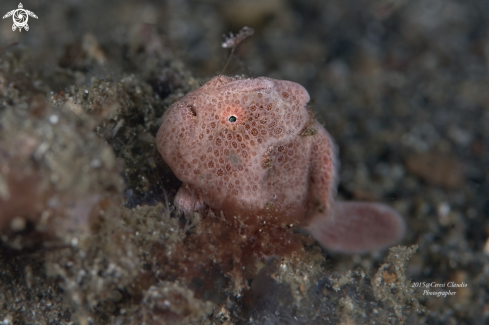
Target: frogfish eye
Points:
(232, 119)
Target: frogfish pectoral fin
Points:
(188, 199)
(358, 227)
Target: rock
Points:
(437, 169)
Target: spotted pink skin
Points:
(250, 147)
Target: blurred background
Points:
(402, 86)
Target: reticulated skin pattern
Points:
(251, 147)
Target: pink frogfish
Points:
(251, 147)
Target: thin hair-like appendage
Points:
(232, 41)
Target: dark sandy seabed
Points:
(88, 235)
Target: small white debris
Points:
(117, 127)
(53, 119)
(18, 224)
(7, 320)
(443, 213)
(41, 150)
(95, 163)
(74, 242)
